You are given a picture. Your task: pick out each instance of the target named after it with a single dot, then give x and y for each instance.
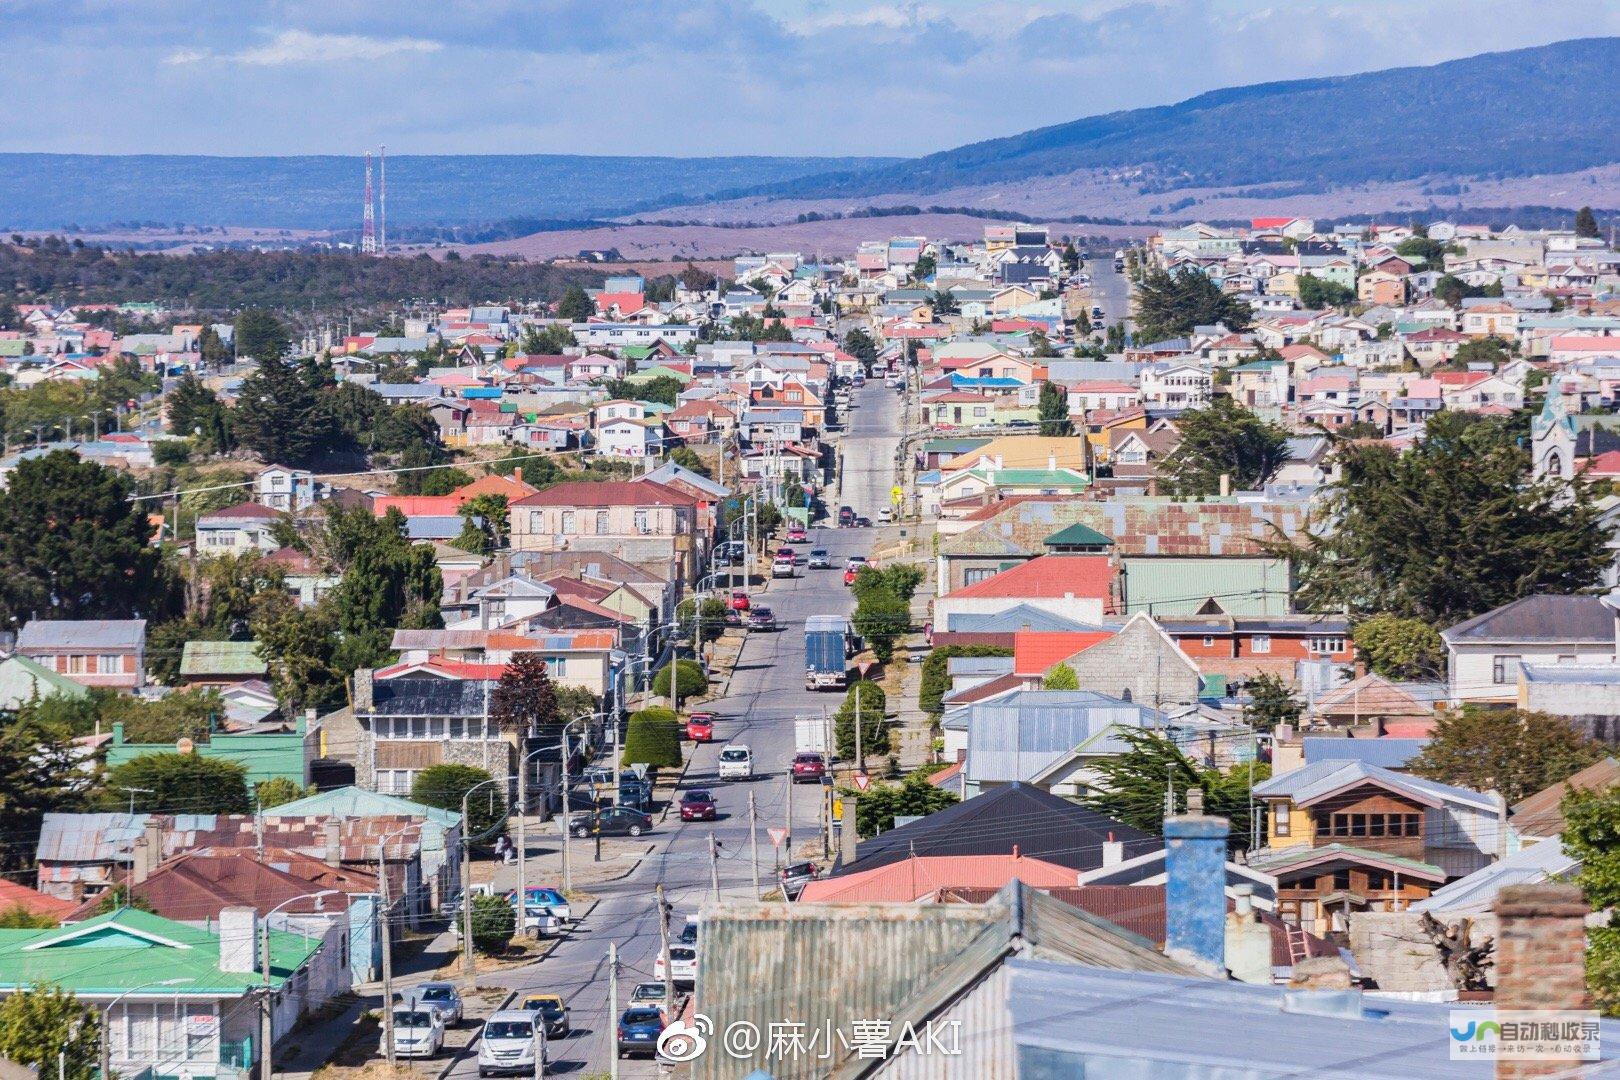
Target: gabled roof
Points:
(1047, 577)
(1036, 652)
(1550, 618)
(1018, 617)
(222, 658)
(1542, 814)
(1321, 779)
(1279, 861)
(608, 493)
(82, 634)
(1038, 824)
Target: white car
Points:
(418, 1031)
(781, 568)
(509, 1044)
(682, 964)
(885, 515)
(736, 763)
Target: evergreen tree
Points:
(575, 305)
(278, 415)
(261, 336)
(1398, 648)
(178, 784)
(75, 547)
(1053, 410)
(1170, 305)
(444, 786)
(878, 806)
(1586, 224)
(1510, 751)
(39, 774)
(1224, 438)
(188, 405)
(211, 347)
(1271, 702)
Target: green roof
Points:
(1274, 859)
(658, 372)
(129, 949)
(13, 347)
(22, 679)
(1035, 478)
(1078, 535)
(222, 658)
(1260, 365)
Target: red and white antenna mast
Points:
(368, 220)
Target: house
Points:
(23, 680)
(108, 653)
(1049, 739)
(1241, 646)
(284, 489)
(204, 1025)
(1080, 587)
(1484, 654)
(1346, 836)
(1174, 385)
(636, 520)
(1381, 287)
(1540, 817)
(248, 526)
(221, 663)
(266, 751)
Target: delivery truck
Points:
(811, 735)
(826, 652)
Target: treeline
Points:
(59, 271)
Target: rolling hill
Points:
(1546, 110)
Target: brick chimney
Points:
(1195, 892)
(1540, 960)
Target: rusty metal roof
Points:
(1137, 527)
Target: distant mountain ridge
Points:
(49, 191)
(1543, 110)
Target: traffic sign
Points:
(896, 494)
(777, 836)
(861, 781)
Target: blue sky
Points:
(685, 77)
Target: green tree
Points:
(549, 340)
(1132, 787)
(18, 917)
(653, 738)
(687, 458)
(261, 336)
(1511, 751)
(178, 784)
(713, 621)
(1170, 305)
(859, 344)
(494, 921)
(278, 791)
(75, 547)
(445, 786)
(1586, 224)
(881, 618)
(878, 806)
(1053, 410)
(1271, 702)
(1487, 350)
(1397, 517)
(924, 268)
(1398, 648)
(483, 524)
(936, 680)
(693, 682)
(278, 415)
(1061, 677)
(389, 583)
(874, 723)
(1316, 293)
(45, 1028)
(525, 696)
(40, 773)
(1224, 439)
(211, 348)
(1422, 252)
(298, 645)
(188, 403)
(575, 305)
(1592, 837)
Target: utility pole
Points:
(267, 1058)
(522, 834)
(753, 841)
(787, 816)
(466, 893)
(860, 760)
(613, 993)
(567, 815)
(387, 953)
(714, 868)
(663, 949)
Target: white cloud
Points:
(303, 47)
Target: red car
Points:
(697, 805)
(740, 601)
(850, 574)
(809, 768)
(700, 727)
(797, 534)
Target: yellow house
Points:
(1285, 283)
(1100, 435)
(1025, 452)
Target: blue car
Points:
(639, 1029)
(552, 900)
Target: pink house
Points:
(93, 652)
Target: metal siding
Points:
(1179, 586)
(988, 1052)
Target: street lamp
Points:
(387, 943)
(106, 1020)
(523, 835)
(466, 878)
(267, 1063)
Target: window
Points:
(78, 665)
(568, 522)
(642, 525)
(537, 522)
(1261, 643)
(1326, 645)
(458, 727)
(974, 575)
(109, 664)
(1504, 669)
(1279, 818)
(1209, 643)
(1341, 879)
(601, 522)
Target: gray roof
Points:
(1021, 617)
(409, 390)
(433, 526)
(1584, 619)
(1321, 777)
(978, 665)
(1385, 753)
(83, 634)
(1476, 893)
(1070, 371)
(1071, 1020)
(1020, 736)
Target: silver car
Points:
(442, 997)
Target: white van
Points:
(509, 1044)
(736, 763)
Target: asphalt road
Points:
(766, 693)
(1109, 290)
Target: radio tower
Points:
(382, 199)
(368, 220)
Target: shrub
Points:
(693, 681)
(653, 738)
(493, 923)
(936, 679)
(279, 790)
(179, 784)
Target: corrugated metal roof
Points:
(222, 658)
(82, 633)
(1136, 526)
(1020, 736)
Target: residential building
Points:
(1484, 654)
(108, 653)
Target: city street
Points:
(766, 693)
(1109, 290)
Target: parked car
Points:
(819, 559)
(611, 821)
(863, 522)
(794, 877)
(510, 1044)
(885, 515)
(689, 932)
(418, 1031)
(635, 793)
(551, 1007)
(648, 993)
(682, 965)
(700, 727)
(736, 762)
(552, 900)
(809, 768)
(798, 534)
(739, 600)
(638, 1031)
(787, 553)
(846, 517)
(761, 618)
(698, 805)
(441, 996)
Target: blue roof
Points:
(482, 392)
(973, 382)
(1387, 753)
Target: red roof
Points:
(1606, 464)
(916, 877)
(1439, 333)
(418, 505)
(456, 669)
(1036, 652)
(628, 303)
(608, 493)
(1270, 222)
(13, 895)
(1052, 577)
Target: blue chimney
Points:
(1195, 892)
